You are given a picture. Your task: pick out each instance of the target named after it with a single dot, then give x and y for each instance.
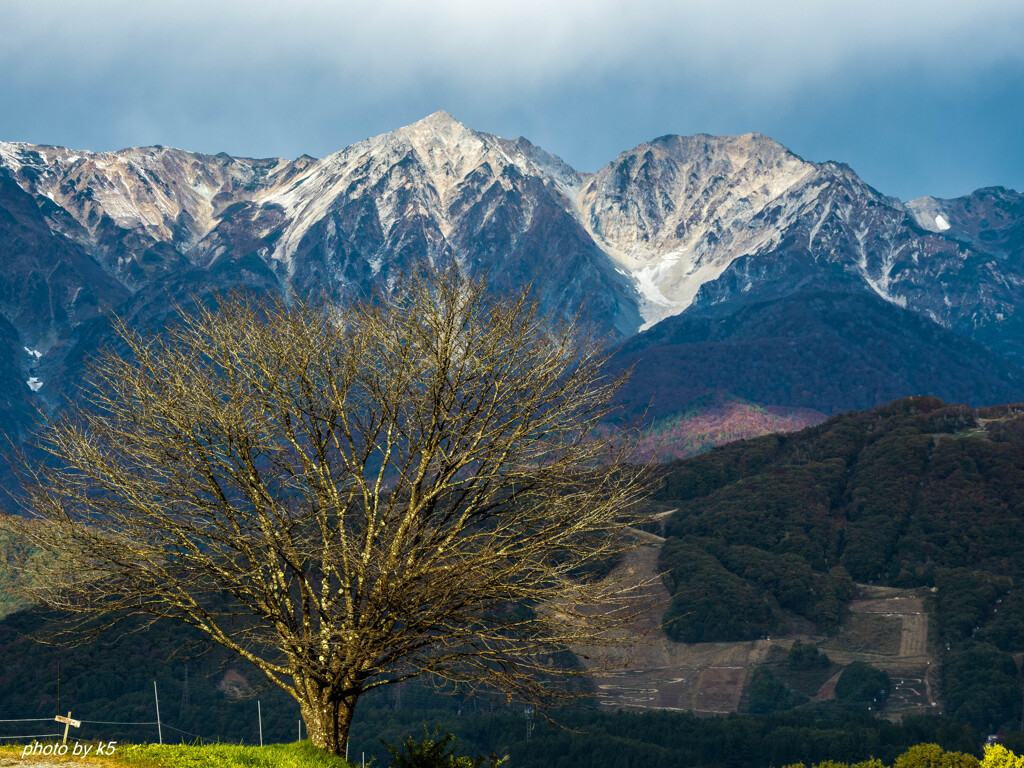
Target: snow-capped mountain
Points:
(673, 214)
(434, 190)
(699, 221)
(700, 224)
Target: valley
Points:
(936, 629)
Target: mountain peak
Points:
(737, 148)
(446, 149)
(437, 127)
(440, 117)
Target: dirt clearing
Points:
(887, 628)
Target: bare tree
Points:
(348, 496)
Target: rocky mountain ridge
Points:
(699, 225)
(664, 224)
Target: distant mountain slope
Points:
(672, 222)
(818, 350)
(713, 420)
(708, 220)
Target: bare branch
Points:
(350, 496)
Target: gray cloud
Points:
(268, 78)
(738, 43)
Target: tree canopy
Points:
(348, 496)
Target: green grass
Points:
(301, 754)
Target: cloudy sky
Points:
(919, 96)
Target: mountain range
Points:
(726, 267)
(748, 289)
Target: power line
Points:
(115, 722)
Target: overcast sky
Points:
(919, 97)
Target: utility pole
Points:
(159, 728)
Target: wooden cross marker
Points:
(68, 722)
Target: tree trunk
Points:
(328, 716)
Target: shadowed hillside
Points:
(913, 494)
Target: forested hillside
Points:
(816, 350)
(916, 493)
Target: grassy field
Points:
(298, 755)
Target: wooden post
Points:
(259, 712)
(68, 722)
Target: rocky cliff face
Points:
(704, 221)
(699, 224)
(674, 213)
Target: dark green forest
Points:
(916, 493)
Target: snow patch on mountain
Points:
(9, 155)
(928, 214)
